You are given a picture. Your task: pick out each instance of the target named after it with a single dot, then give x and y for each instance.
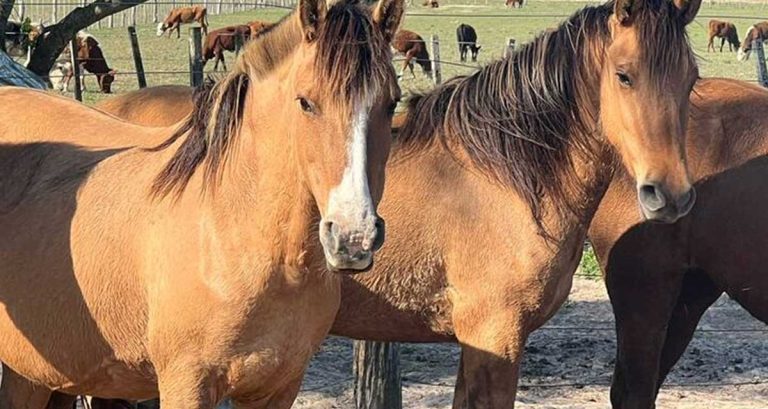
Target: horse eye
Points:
(624, 79)
(306, 106)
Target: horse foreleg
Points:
(490, 363)
(711, 44)
(19, 393)
(281, 399)
(696, 296)
(643, 299)
(722, 43)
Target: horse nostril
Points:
(379, 234)
(652, 197)
(329, 232)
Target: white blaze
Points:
(351, 199)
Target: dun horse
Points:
(495, 178)
(661, 279)
(196, 269)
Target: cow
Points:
(725, 31)
(183, 15)
(91, 59)
(757, 32)
(467, 39)
(413, 47)
(224, 39)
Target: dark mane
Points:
(522, 120)
(352, 62)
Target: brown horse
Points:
(230, 38)
(258, 27)
(662, 278)
(725, 31)
(757, 32)
(196, 269)
(495, 177)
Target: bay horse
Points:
(725, 31)
(196, 269)
(662, 278)
(413, 47)
(495, 177)
(757, 32)
(183, 15)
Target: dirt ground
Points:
(557, 356)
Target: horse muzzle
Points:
(350, 250)
(659, 205)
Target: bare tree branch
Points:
(58, 35)
(6, 8)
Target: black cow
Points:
(467, 38)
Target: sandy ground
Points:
(558, 356)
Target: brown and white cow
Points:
(91, 59)
(757, 32)
(183, 15)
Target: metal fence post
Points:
(437, 75)
(137, 62)
(376, 367)
(195, 57)
(762, 73)
(76, 68)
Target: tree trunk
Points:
(58, 35)
(6, 8)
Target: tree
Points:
(56, 36)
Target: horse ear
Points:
(625, 10)
(311, 13)
(388, 15)
(688, 9)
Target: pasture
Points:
(166, 60)
(563, 368)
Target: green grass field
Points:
(162, 55)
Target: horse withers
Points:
(514, 159)
(199, 264)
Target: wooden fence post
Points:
(133, 16)
(137, 62)
(376, 369)
(76, 68)
(22, 10)
(195, 57)
(218, 7)
(155, 18)
(55, 11)
(762, 73)
(509, 48)
(436, 74)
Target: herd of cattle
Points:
(410, 45)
